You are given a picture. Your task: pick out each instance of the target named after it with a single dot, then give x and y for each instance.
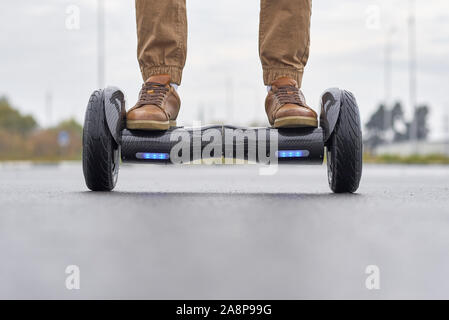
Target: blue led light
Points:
(292, 153)
(152, 155)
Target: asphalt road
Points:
(224, 232)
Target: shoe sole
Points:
(295, 122)
(150, 124)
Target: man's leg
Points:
(284, 39)
(161, 51)
(161, 37)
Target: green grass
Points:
(412, 159)
(367, 158)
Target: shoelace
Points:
(152, 93)
(290, 94)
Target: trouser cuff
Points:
(174, 72)
(271, 74)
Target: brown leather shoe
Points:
(158, 105)
(286, 106)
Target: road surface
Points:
(224, 232)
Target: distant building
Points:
(407, 148)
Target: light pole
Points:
(100, 44)
(446, 130)
(388, 77)
(48, 107)
(229, 100)
(412, 69)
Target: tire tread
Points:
(346, 148)
(97, 147)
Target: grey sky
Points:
(39, 54)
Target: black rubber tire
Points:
(101, 154)
(344, 148)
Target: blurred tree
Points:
(378, 126)
(45, 144)
(11, 119)
(421, 115)
(21, 140)
(377, 121)
(70, 125)
(399, 125)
